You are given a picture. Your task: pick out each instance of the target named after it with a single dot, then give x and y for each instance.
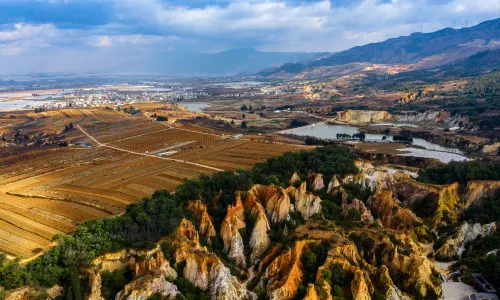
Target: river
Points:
(22, 104)
(194, 106)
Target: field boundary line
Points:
(29, 231)
(83, 203)
(99, 144)
(189, 130)
(138, 135)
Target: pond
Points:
(194, 106)
(19, 104)
(329, 131)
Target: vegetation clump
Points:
(461, 172)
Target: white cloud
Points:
(269, 25)
(106, 41)
(21, 31)
(103, 41)
(314, 25)
(460, 8)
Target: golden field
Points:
(46, 191)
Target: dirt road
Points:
(99, 144)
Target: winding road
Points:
(99, 144)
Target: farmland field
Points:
(168, 137)
(108, 132)
(47, 192)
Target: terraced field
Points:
(49, 191)
(114, 131)
(199, 129)
(168, 137)
(234, 154)
(59, 189)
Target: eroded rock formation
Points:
(372, 258)
(274, 199)
(149, 267)
(468, 232)
(430, 202)
(284, 274)
(199, 210)
(259, 239)
(206, 271)
(145, 286)
(333, 185)
(230, 231)
(358, 206)
(478, 190)
(305, 202)
(371, 177)
(390, 213)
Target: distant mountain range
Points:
(424, 50)
(234, 61)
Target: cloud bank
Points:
(86, 35)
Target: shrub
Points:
(113, 282)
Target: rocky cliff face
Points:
(316, 181)
(259, 239)
(295, 178)
(390, 213)
(477, 190)
(305, 202)
(230, 231)
(333, 185)
(443, 117)
(358, 206)
(274, 199)
(492, 149)
(369, 176)
(203, 268)
(207, 272)
(185, 238)
(284, 274)
(199, 210)
(28, 293)
(145, 286)
(363, 116)
(370, 266)
(149, 267)
(467, 233)
(431, 202)
(311, 293)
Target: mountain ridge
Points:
(423, 50)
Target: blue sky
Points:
(85, 35)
